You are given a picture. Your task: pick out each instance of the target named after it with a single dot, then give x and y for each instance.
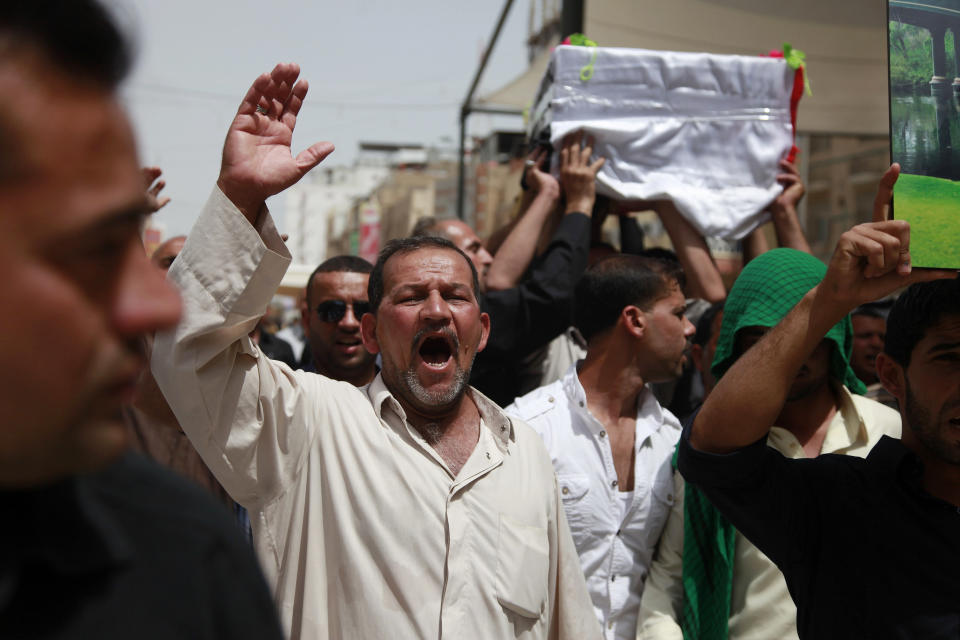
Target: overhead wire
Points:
(179, 93)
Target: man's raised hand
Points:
(536, 178)
(577, 174)
(257, 160)
(153, 186)
(873, 260)
(793, 189)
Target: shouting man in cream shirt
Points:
(409, 508)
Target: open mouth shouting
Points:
(436, 349)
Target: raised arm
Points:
(257, 161)
(517, 249)
(783, 214)
(154, 185)
(235, 404)
(703, 277)
(539, 308)
(870, 261)
(783, 210)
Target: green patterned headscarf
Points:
(769, 286)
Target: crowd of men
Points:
(518, 437)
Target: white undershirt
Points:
(626, 498)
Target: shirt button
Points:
(581, 403)
(613, 578)
(610, 625)
(618, 532)
(669, 496)
(564, 491)
(614, 484)
(603, 434)
(550, 399)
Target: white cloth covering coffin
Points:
(705, 131)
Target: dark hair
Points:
(614, 283)
(670, 263)
(920, 307)
(338, 264)
(876, 309)
(76, 37)
(426, 226)
(408, 245)
(705, 323)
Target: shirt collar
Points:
(500, 425)
(854, 429)
(649, 410)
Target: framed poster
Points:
(924, 80)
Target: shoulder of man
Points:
(670, 419)
(183, 541)
(878, 418)
(539, 403)
(135, 489)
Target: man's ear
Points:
(634, 321)
(696, 355)
(892, 376)
(484, 331)
(368, 333)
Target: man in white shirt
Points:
(608, 437)
(408, 508)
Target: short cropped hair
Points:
(409, 245)
(705, 324)
(426, 226)
(338, 264)
(876, 309)
(617, 282)
(78, 38)
(669, 263)
(920, 307)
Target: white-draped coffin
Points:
(705, 131)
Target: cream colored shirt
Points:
(761, 607)
(360, 527)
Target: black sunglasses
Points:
(334, 310)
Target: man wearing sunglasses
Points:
(335, 301)
(412, 507)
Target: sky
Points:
(379, 70)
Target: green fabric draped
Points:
(769, 286)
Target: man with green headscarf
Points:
(868, 548)
(708, 581)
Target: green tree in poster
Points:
(911, 55)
